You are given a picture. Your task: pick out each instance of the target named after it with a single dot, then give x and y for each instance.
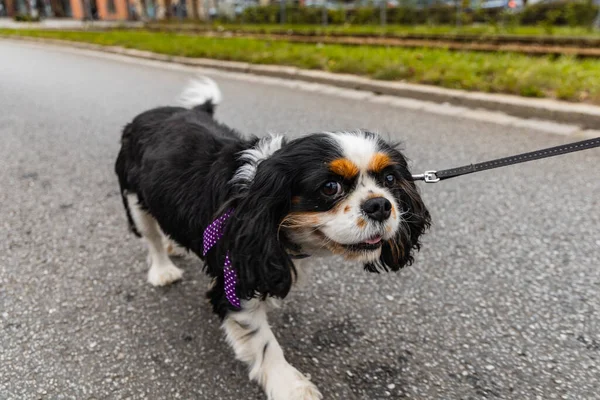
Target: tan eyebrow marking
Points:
(379, 162)
(344, 168)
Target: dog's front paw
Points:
(163, 274)
(292, 385)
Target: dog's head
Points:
(349, 194)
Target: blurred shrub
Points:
(550, 20)
(438, 14)
(26, 18)
(573, 13)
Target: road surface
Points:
(502, 302)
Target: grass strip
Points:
(563, 77)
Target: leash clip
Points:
(428, 177)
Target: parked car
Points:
(329, 4)
(499, 4)
(372, 3)
(474, 4)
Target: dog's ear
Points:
(256, 247)
(414, 221)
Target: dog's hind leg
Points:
(162, 270)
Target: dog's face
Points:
(355, 198)
(349, 194)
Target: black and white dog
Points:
(252, 208)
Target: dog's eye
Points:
(332, 188)
(390, 180)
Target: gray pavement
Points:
(503, 301)
(62, 23)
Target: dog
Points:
(254, 208)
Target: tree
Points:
(194, 12)
(57, 8)
(168, 9)
(144, 9)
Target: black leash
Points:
(436, 176)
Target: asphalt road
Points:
(503, 301)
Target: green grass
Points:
(564, 77)
(481, 29)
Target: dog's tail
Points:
(201, 94)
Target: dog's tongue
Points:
(374, 240)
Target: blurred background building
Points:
(118, 9)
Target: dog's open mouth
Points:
(372, 243)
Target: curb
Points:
(584, 115)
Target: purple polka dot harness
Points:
(212, 234)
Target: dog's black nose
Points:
(377, 208)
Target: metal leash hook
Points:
(428, 177)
